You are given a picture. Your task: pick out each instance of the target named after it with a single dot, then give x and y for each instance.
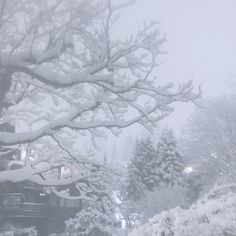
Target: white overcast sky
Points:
(201, 44)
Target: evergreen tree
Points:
(142, 169)
(134, 188)
(194, 183)
(171, 165)
(150, 168)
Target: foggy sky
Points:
(201, 44)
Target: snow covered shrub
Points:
(30, 231)
(162, 199)
(88, 221)
(214, 214)
(18, 230)
(194, 183)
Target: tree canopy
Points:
(65, 78)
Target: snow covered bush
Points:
(17, 230)
(30, 231)
(214, 214)
(162, 199)
(89, 221)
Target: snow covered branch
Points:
(64, 75)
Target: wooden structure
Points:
(25, 204)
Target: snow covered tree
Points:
(145, 159)
(66, 79)
(150, 167)
(134, 188)
(142, 169)
(143, 163)
(154, 177)
(209, 139)
(171, 165)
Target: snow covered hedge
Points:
(215, 214)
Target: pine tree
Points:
(171, 165)
(134, 188)
(142, 169)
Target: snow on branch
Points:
(65, 71)
(7, 138)
(41, 73)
